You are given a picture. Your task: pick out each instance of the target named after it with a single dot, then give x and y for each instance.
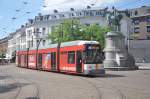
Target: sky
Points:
(14, 13)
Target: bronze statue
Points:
(114, 17)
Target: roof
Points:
(4, 40)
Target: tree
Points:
(71, 30)
(67, 31)
(95, 32)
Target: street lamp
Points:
(72, 30)
(73, 26)
(37, 47)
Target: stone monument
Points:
(116, 53)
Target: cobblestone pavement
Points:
(21, 83)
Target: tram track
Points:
(34, 87)
(19, 86)
(125, 88)
(95, 84)
(89, 80)
(112, 87)
(90, 83)
(99, 94)
(37, 95)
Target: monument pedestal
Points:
(116, 54)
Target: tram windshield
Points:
(92, 54)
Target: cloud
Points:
(65, 5)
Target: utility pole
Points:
(72, 30)
(37, 48)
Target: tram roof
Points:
(70, 43)
(73, 43)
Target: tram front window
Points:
(92, 56)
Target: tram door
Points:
(39, 65)
(53, 61)
(79, 62)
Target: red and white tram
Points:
(78, 57)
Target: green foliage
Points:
(95, 32)
(71, 30)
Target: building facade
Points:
(140, 22)
(140, 35)
(4, 46)
(37, 29)
(16, 42)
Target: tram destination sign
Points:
(92, 47)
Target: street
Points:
(21, 83)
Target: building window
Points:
(41, 18)
(136, 30)
(148, 10)
(136, 13)
(46, 17)
(72, 14)
(71, 57)
(148, 29)
(37, 30)
(98, 13)
(37, 18)
(37, 41)
(136, 21)
(148, 37)
(29, 32)
(87, 13)
(44, 42)
(63, 15)
(80, 13)
(91, 13)
(43, 30)
(30, 44)
(148, 19)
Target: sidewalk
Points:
(143, 66)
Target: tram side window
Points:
(71, 57)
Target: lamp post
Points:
(29, 49)
(74, 27)
(37, 48)
(72, 30)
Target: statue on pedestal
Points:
(116, 54)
